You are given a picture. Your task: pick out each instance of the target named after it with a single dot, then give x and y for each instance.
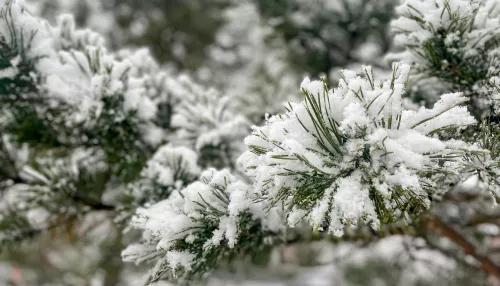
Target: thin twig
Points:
(436, 223)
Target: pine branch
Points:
(453, 44)
(347, 139)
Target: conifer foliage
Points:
(73, 106)
(352, 154)
(454, 41)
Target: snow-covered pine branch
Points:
(341, 157)
(454, 41)
(87, 130)
(82, 95)
(170, 168)
(62, 93)
(205, 122)
(353, 155)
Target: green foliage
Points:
(68, 166)
(105, 163)
(217, 156)
(487, 168)
(117, 132)
(73, 180)
(13, 55)
(251, 244)
(20, 102)
(14, 228)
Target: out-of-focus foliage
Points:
(322, 35)
(176, 31)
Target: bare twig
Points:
(437, 224)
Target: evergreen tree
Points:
(108, 151)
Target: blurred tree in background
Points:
(323, 35)
(177, 32)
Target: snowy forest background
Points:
(154, 142)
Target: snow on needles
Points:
(195, 226)
(353, 154)
(204, 121)
(171, 168)
(452, 40)
(170, 162)
(431, 15)
(77, 72)
(74, 68)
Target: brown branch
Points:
(435, 223)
